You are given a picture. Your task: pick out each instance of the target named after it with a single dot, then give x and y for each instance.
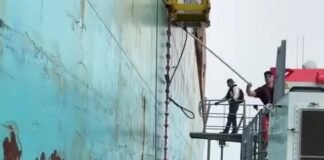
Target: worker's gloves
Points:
(266, 109)
(268, 106)
(255, 107)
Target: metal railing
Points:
(205, 111)
(253, 146)
(249, 127)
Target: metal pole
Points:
(222, 145)
(243, 132)
(208, 150)
(222, 148)
(204, 114)
(279, 85)
(207, 113)
(255, 152)
(244, 114)
(260, 144)
(303, 51)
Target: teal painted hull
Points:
(84, 80)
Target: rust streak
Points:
(82, 4)
(42, 157)
(11, 150)
(54, 156)
(144, 111)
(2, 24)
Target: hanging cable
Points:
(179, 60)
(184, 110)
(213, 53)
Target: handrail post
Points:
(260, 151)
(244, 114)
(208, 150)
(204, 115)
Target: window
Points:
(312, 135)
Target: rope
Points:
(219, 58)
(184, 110)
(182, 51)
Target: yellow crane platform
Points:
(195, 15)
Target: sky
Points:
(246, 35)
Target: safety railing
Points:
(207, 112)
(217, 110)
(254, 138)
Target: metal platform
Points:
(189, 14)
(192, 20)
(217, 136)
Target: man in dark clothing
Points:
(265, 94)
(234, 96)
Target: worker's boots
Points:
(224, 132)
(234, 131)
